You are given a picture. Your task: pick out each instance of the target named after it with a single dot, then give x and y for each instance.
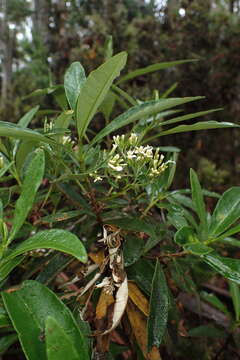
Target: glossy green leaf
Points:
(95, 89)
(159, 305)
(31, 183)
(185, 236)
(27, 118)
(198, 249)
(230, 241)
(29, 307)
(58, 344)
(227, 267)
(235, 294)
(16, 131)
(203, 125)
(6, 341)
(74, 80)
(152, 68)
(61, 240)
(226, 212)
(197, 198)
(137, 112)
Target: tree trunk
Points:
(7, 38)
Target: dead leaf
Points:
(97, 257)
(104, 302)
(139, 327)
(138, 298)
(120, 304)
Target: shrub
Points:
(148, 246)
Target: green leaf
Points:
(137, 112)
(189, 116)
(185, 236)
(15, 131)
(31, 183)
(6, 342)
(134, 224)
(5, 168)
(235, 294)
(230, 241)
(198, 249)
(231, 231)
(58, 343)
(23, 150)
(214, 301)
(95, 89)
(108, 47)
(159, 304)
(226, 212)
(197, 198)
(227, 267)
(27, 118)
(4, 318)
(57, 239)
(207, 331)
(152, 68)
(29, 307)
(7, 266)
(142, 273)
(74, 80)
(132, 250)
(203, 125)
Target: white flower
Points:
(131, 154)
(133, 139)
(115, 167)
(97, 178)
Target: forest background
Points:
(40, 38)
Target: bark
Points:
(7, 39)
(40, 19)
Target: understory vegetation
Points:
(101, 257)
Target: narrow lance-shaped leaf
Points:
(159, 304)
(58, 343)
(29, 307)
(26, 119)
(203, 125)
(235, 294)
(227, 267)
(95, 89)
(31, 183)
(15, 131)
(74, 80)
(148, 108)
(57, 239)
(189, 116)
(197, 198)
(152, 68)
(7, 266)
(226, 212)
